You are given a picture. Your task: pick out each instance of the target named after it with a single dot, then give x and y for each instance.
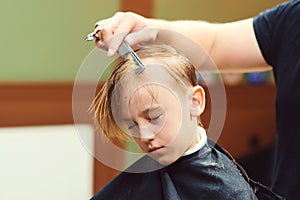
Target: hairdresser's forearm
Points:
(201, 32)
(231, 45)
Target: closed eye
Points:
(132, 126)
(154, 118)
(150, 119)
(129, 123)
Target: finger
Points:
(103, 36)
(143, 36)
(98, 35)
(107, 28)
(101, 23)
(114, 44)
(115, 29)
(101, 45)
(118, 37)
(128, 22)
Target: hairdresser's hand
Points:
(127, 26)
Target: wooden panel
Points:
(24, 104)
(144, 7)
(250, 120)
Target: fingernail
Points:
(99, 28)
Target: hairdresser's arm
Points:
(231, 45)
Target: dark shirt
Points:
(278, 34)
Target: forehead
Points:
(151, 93)
(153, 77)
(147, 100)
(154, 73)
(147, 93)
(150, 84)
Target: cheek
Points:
(171, 127)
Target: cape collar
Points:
(200, 144)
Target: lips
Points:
(154, 149)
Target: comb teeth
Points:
(139, 69)
(126, 49)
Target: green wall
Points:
(44, 40)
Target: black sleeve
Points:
(273, 27)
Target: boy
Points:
(160, 108)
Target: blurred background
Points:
(42, 48)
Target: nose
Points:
(146, 133)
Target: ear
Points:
(198, 101)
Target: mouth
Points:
(155, 149)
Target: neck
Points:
(195, 141)
(199, 141)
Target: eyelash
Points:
(132, 126)
(153, 119)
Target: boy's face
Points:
(162, 121)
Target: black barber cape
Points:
(205, 174)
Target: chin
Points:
(165, 161)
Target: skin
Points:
(162, 119)
(163, 127)
(232, 46)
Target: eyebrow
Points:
(152, 108)
(146, 111)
